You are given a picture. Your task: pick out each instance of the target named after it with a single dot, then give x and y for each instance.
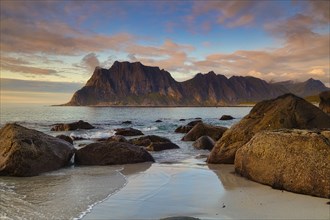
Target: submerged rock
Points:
(128, 132)
(66, 138)
(147, 140)
(204, 142)
(27, 152)
(226, 117)
(287, 111)
(72, 126)
(127, 122)
(158, 121)
(294, 160)
(201, 129)
(111, 153)
(159, 146)
(325, 101)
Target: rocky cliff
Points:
(133, 84)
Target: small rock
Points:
(226, 117)
(72, 126)
(127, 122)
(182, 119)
(117, 138)
(158, 121)
(147, 140)
(128, 132)
(204, 142)
(159, 146)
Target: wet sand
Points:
(206, 192)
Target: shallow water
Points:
(71, 192)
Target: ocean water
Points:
(71, 192)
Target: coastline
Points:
(193, 188)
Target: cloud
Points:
(90, 61)
(22, 66)
(38, 86)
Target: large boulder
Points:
(294, 160)
(287, 111)
(111, 153)
(204, 143)
(147, 140)
(128, 132)
(72, 126)
(160, 146)
(325, 101)
(186, 128)
(201, 129)
(27, 152)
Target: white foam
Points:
(150, 128)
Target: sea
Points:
(71, 192)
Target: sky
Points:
(49, 49)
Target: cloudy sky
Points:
(50, 48)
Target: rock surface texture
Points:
(293, 160)
(111, 153)
(27, 152)
(287, 111)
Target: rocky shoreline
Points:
(265, 146)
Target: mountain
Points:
(133, 84)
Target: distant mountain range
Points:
(134, 84)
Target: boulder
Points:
(325, 101)
(293, 160)
(226, 117)
(111, 153)
(201, 129)
(117, 138)
(147, 140)
(204, 142)
(128, 132)
(188, 127)
(72, 126)
(66, 138)
(27, 152)
(287, 111)
(159, 146)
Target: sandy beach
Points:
(195, 189)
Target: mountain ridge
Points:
(134, 84)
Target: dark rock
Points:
(147, 140)
(198, 118)
(182, 119)
(188, 127)
(159, 146)
(325, 101)
(111, 153)
(226, 117)
(201, 129)
(293, 160)
(193, 123)
(76, 138)
(287, 111)
(128, 132)
(72, 126)
(127, 122)
(117, 138)
(66, 138)
(204, 142)
(158, 121)
(27, 152)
